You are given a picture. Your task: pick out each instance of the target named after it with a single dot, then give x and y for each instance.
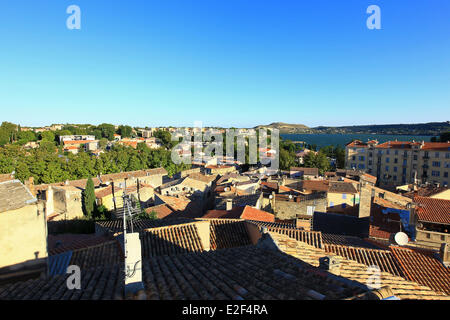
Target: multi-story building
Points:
(401, 162)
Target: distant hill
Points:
(429, 129)
(286, 127)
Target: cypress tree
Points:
(89, 198)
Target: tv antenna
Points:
(129, 210)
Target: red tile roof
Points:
(432, 210)
(162, 211)
(66, 242)
(247, 213)
(422, 267)
(315, 185)
(251, 213)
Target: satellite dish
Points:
(401, 238)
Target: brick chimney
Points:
(365, 202)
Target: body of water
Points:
(322, 140)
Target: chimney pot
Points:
(330, 264)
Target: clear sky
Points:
(224, 62)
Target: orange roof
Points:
(442, 146)
(315, 185)
(79, 141)
(251, 213)
(432, 210)
(161, 210)
(247, 213)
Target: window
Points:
(446, 174)
(396, 152)
(436, 164)
(442, 238)
(361, 158)
(360, 166)
(387, 168)
(395, 160)
(395, 178)
(428, 236)
(331, 203)
(447, 156)
(435, 173)
(344, 196)
(415, 157)
(395, 169)
(387, 151)
(310, 210)
(387, 160)
(353, 158)
(436, 155)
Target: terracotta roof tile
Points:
(228, 233)
(370, 257)
(422, 267)
(432, 210)
(170, 240)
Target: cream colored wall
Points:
(442, 195)
(108, 202)
(204, 233)
(337, 200)
(23, 232)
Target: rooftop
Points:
(432, 210)
(14, 195)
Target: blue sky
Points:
(224, 62)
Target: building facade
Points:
(401, 162)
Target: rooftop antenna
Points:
(132, 252)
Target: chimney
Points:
(133, 265)
(203, 229)
(330, 264)
(229, 204)
(444, 253)
(30, 185)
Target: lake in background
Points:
(326, 139)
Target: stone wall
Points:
(285, 210)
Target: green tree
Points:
(89, 198)
(125, 131)
(48, 136)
